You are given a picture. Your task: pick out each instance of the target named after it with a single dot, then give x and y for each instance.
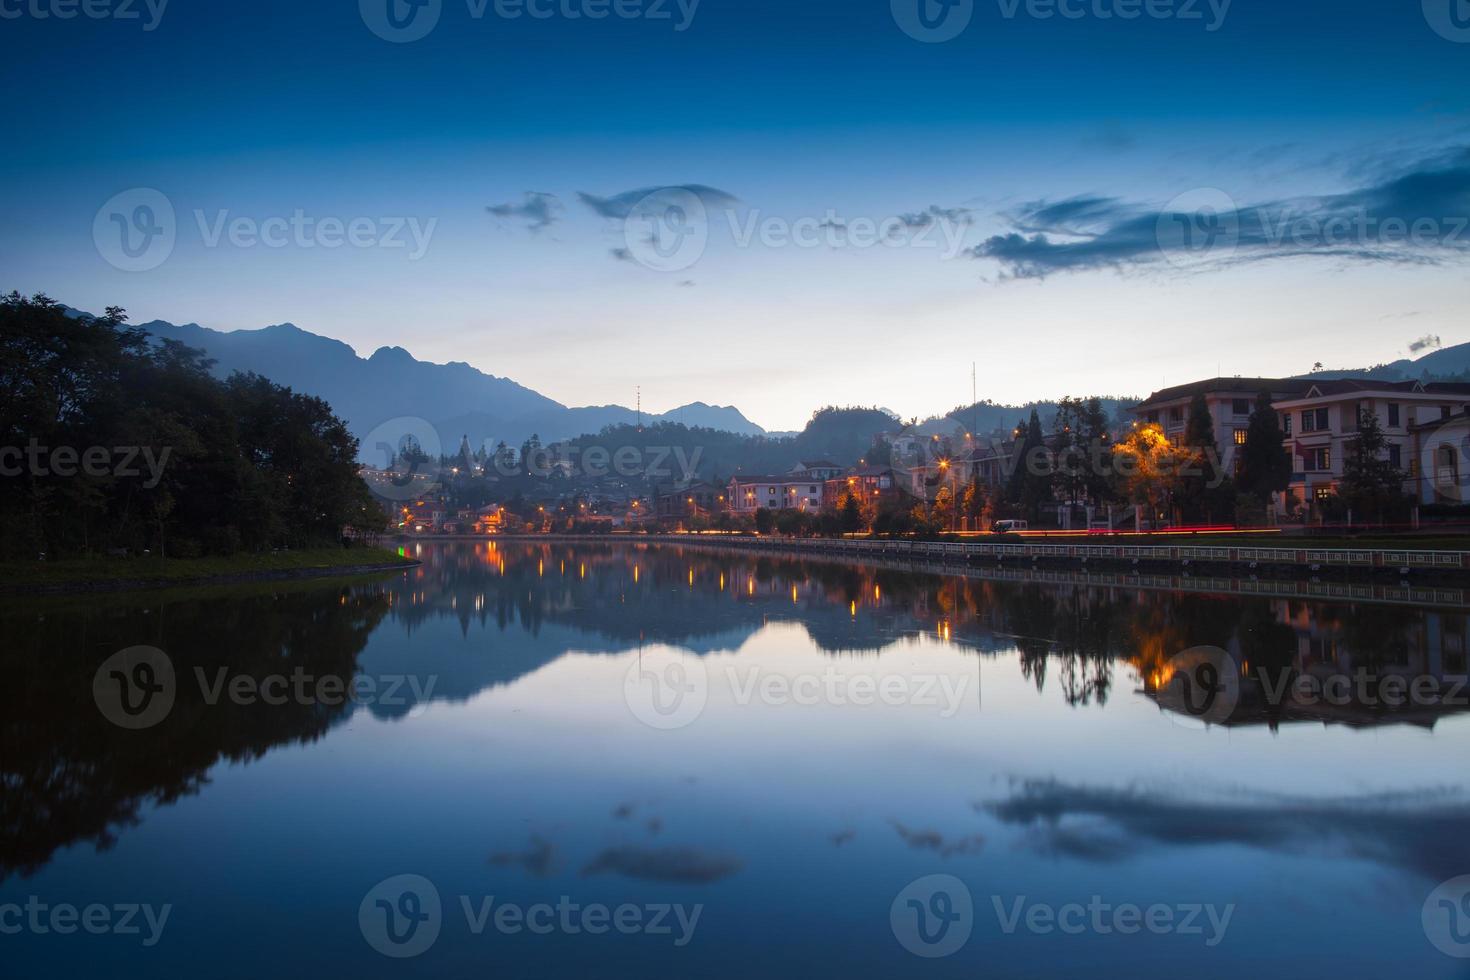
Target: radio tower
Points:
(640, 408)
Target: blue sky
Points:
(1082, 204)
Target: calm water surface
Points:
(707, 764)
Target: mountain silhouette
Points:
(457, 399)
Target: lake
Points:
(607, 759)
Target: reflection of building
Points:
(748, 494)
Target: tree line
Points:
(112, 443)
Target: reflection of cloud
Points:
(933, 840)
(681, 865)
(622, 811)
(1419, 832)
(539, 858)
(843, 836)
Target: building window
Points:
(1176, 415)
(1153, 416)
(1314, 420)
(1240, 407)
(1393, 414)
(1444, 411)
(1322, 494)
(1319, 460)
(1395, 456)
(1240, 437)
(1286, 423)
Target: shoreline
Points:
(86, 586)
(1302, 559)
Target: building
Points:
(697, 498)
(748, 494)
(820, 470)
(1423, 425)
(1230, 401)
(1441, 450)
(880, 484)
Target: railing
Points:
(1039, 549)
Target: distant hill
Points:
(987, 416)
(457, 399)
(1445, 364)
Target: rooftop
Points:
(1245, 386)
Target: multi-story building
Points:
(747, 494)
(1421, 423)
(880, 484)
(1230, 401)
(820, 470)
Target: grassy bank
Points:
(146, 572)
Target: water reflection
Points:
(72, 776)
(511, 763)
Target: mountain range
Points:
(457, 399)
(1445, 364)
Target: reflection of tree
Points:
(69, 775)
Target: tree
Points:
(1205, 492)
(1265, 462)
(764, 520)
(1031, 480)
(1097, 441)
(216, 466)
(1148, 467)
(1068, 442)
(851, 514)
(1371, 485)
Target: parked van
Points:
(1008, 527)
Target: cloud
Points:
(934, 213)
(536, 209)
(1426, 342)
(1420, 214)
(1421, 833)
(681, 865)
(619, 206)
(621, 254)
